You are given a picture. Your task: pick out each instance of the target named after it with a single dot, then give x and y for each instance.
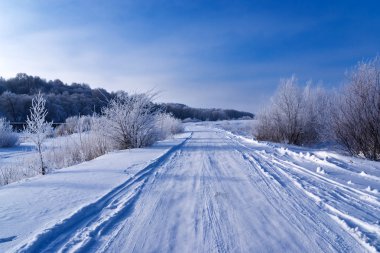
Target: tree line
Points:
(64, 101)
(181, 111)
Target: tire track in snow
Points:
(340, 202)
(221, 228)
(327, 192)
(300, 210)
(97, 219)
(206, 195)
(278, 190)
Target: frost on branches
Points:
(295, 115)
(37, 128)
(134, 121)
(131, 120)
(356, 116)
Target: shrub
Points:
(295, 116)
(8, 138)
(167, 125)
(131, 120)
(356, 116)
(73, 125)
(81, 146)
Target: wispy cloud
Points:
(211, 54)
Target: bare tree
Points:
(37, 128)
(356, 117)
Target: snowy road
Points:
(215, 193)
(210, 198)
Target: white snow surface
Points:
(207, 190)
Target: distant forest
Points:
(182, 111)
(65, 100)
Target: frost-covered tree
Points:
(8, 138)
(37, 128)
(132, 120)
(315, 114)
(356, 116)
(295, 116)
(281, 122)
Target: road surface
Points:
(211, 193)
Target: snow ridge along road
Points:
(352, 206)
(216, 192)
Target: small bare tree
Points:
(37, 128)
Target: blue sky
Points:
(228, 54)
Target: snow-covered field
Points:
(26, 149)
(244, 128)
(22, 161)
(37, 207)
(207, 190)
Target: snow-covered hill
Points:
(208, 190)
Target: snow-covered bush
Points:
(8, 138)
(21, 168)
(94, 142)
(98, 141)
(167, 125)
(281, 122)
(127, 122)
(240, 127)
(67, 128)
(74, 124)
(356, 116)
(316, 103)
(7, 175)
(81, 146)
(131, 120)
(295, 116)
